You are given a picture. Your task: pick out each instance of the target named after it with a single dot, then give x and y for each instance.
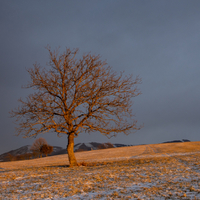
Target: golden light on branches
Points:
(77, 95)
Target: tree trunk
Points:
(70, 150)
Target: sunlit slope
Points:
(176, 147)
(140, 151)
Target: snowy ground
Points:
(173, 176)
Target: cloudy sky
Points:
(158, 40)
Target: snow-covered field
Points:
(144, 172)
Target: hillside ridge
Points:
(112, 154)
(25, 150)
(17, 154)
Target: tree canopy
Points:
(75, 95)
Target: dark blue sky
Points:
(157, 40)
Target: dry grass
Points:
(145, 177)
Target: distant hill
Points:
(24, 152)
(95, 145)
(174, 141)
(138, 153)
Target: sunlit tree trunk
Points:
(70, 150)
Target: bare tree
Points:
(46, 149)
(75, 95)
(37, 144)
